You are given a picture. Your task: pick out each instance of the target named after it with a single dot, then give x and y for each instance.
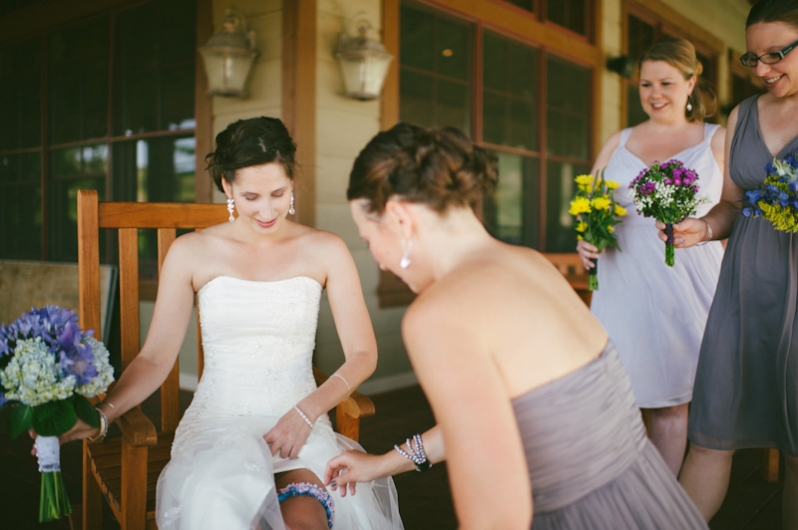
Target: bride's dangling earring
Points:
(689, 103)
(407, 246)
(291, 210)
(231, 207)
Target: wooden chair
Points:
(125, 470)
(570, 265)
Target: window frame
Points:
(512, 22)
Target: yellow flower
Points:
(601, 203)
(579, 205)
(579, 238)
(620, 210)
(584, 180)
(611, 229)
(581, 227)
(612, 184)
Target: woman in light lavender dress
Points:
(654, 313)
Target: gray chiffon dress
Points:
(590, 463)
(746, 387)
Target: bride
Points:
(251, 448)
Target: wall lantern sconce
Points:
(364, 63)
(228, 56)
(622, 65)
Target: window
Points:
(573, 15)
(528, 106)
(115, 114)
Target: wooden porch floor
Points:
(424, 499)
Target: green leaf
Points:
(20, 419)
(54, 418)
(86, 410)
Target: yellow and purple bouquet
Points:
(777, 199)
(596, 215)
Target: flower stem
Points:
(669, 251)
(592, 278)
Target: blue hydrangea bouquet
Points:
(48, 369)
(777, 199)
(667, 192)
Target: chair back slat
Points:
(129, 294)
(170, 389)
(89, 263)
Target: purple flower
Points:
(3, 399)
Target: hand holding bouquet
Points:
(667, 192)
(596, 215)
(48, 367)
(777, 199)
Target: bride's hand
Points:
(288, 436)
(349, 468)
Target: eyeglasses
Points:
(767, 58)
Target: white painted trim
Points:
(188, 381)
(388, 383)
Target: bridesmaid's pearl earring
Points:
(291, 210)
(231, 207)
(689, 104)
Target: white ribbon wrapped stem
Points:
(48, 450)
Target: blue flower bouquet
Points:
(777, 199)
(667, 192)
(48, 369)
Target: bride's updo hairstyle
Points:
(680, 54)
(251, 142)
(441, 168)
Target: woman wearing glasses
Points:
(746, 388)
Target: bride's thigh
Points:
(301, 511)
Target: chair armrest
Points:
(357, 405)
(137, 428)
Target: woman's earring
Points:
(291, 210)
(231, 207)
(407, 246)
(689, 103)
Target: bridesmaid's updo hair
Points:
(250, 142)
(773, 11)
(437, 167)
(680, 54)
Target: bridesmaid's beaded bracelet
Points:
(415, 453)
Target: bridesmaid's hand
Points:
(687, 233)
(349, 468)
(587, 252)
(288, 436)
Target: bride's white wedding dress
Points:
(258, 339)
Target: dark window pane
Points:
(453, 43)
(452, 106)
(523, 125)
(72, 169)
(525, 72)
(494, 118)
(634, 109)
(154, 67)
(416, 38)
(568, 102)
(415, 99)
(79, 82)
(20, 94)
(511, 212)
(570, 14)
(525, 4)
(496, 57)
(560, 235)
(640, 36)
(21, 206)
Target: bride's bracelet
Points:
(304, 416)
(103, 427)
(415, 452)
